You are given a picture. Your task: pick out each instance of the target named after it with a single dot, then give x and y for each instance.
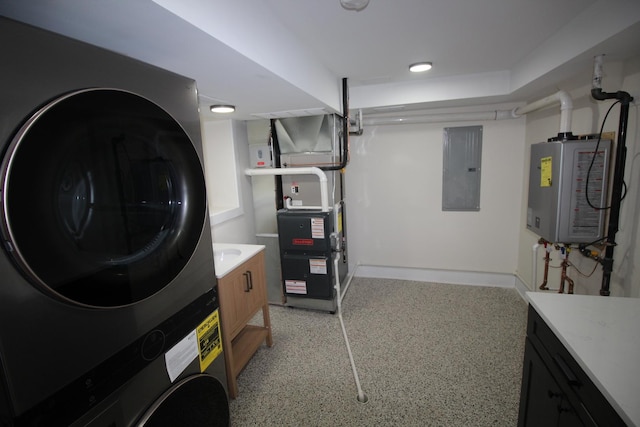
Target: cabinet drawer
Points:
(542, 402)
(592, 407)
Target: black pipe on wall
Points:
(618, 182)
(345, 130)
(279, 195)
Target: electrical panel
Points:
(462, 155)
(568, 184)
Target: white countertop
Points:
(227, 256)
(603, 335)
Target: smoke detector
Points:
(356, 5)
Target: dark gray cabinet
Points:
(555, 389)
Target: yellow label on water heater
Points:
(209, 340)
(545, 171)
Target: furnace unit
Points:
(568, 183)
(312, 238)
(309, 246)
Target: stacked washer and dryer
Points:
(108, 296)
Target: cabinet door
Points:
(542, 402)
(242, 294)
(257, 295)
(588, 402)
(232, 301)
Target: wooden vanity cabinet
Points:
(242, 293)
(555, 389)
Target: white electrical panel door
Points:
(462, 154)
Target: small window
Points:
(223, 191)
(461, 168)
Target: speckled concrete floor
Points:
(427, 355)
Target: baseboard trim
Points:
(502, 280)
(522, 288)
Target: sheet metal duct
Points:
(307, 134)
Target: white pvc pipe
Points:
(362, 397)
(597, 72)
(324, 191)
(534, 273)
(437, 118)
(289, 206)
(566, 106)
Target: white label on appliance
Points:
(295, 287)
(317, 228)
(181, 355)
(318, 266)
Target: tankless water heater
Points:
(568, 184)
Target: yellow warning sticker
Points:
(209, 340)
(545, 172)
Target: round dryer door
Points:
(196, 401)
(103, 198)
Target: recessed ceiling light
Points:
(419, 67)
(222, 108)
(356, 5)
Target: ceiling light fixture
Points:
(419, 67)
(356, 5)
(222, 108)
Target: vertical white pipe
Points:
(534, 273)
(597, 72)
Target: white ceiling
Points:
(288, 57)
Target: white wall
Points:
(220, 166)
(587, 118)
(394, 199)
(226, 152)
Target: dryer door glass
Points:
(103, 198)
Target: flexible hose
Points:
(362, 397)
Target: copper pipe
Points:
(547, 258)
(564, 277)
